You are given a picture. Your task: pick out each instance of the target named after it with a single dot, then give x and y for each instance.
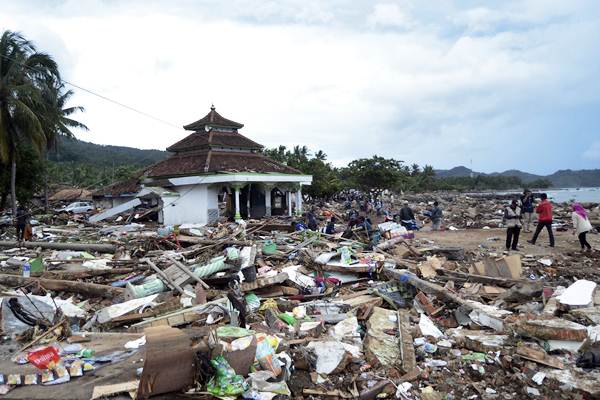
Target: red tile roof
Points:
(200, 162)
(213, 118)
(129, 186)
(214, 138)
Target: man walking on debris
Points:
(544, 211)
(512, 220)
(436, 217)
(527, 209)
(581, 225)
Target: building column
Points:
(289, 201)
(268, 189)
(299, 201)
(236, 199)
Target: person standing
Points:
(436, 217)
(581, 225)
(512, 220)
(527, 209)
(544, 212)
(21, 222)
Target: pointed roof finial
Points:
(212, 107)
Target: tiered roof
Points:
(216, 146)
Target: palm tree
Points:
(57, 121)
(24, 73)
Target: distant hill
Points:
(559, 179)
(78, 151)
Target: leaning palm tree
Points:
(23, 75)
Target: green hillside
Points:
(85, 164)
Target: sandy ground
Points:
(473, 239)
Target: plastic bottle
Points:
(86, 353)
(26, 270)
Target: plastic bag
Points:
(45, 358)
(225, 382)
(265, 354)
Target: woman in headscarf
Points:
(581, 225)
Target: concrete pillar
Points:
(268, 201)
(299, 202)
(238, 216)
(289, 200)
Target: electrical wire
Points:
(145, 114)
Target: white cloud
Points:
(390, 15)
(593, 152)
(437, 85)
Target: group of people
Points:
(520, 214)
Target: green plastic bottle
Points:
(86, 353)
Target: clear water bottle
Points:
(26, 270)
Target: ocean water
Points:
(581, 195)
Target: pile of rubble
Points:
(258, 310)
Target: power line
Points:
(145, 114)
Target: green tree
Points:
(24, 74)
(375, 173)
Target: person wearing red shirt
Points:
(544, 211)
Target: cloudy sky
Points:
(506, 84)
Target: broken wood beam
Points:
(487, 315)
(89, 289)
(189, 273)
(99, 247)
(229, 242)
(505, 282)
(164, 276)
(74, 275)
(407, 348)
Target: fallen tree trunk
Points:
(229, 242)
(89, 289)
(488, 280)
(480, 313)
(74, 275)
(102, 248)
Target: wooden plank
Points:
(540, 357)
(407, 349)
(117, 388)
(189, 273)
(164, 276)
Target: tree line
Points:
(33, 115)
(378, 173)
